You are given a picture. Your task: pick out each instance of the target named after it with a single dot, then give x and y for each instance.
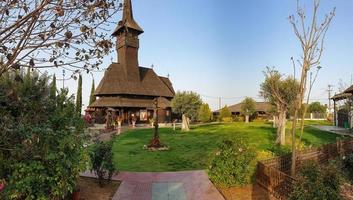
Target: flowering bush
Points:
(233, 164)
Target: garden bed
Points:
(250, 192)
(90, 189)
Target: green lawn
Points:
(192, 150)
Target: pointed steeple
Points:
(128, 20)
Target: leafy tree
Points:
(280, 92)
(79, 96)
(316, 107)
(225, 115)
(205, 113)
(41, 143)
(53, 88)
(92, 98)
(186, 103)
(248, 108)
(44, 34)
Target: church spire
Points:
(128, 20)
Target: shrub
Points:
(348, 165)
(205, 113)
(264, 155)
(227, 119)
(225, 114)
(102, 161)
(316, 182)
(279, 150)
(42, 138)
(233, 164)
(237, 119)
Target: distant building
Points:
(127, 89)
(262, 110)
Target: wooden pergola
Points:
(347, 94)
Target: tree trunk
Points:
(185, 125)
(275, 121)
(281, 128)
(298, 105)
(246, 118)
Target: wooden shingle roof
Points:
(349, 90)
(260, 107)
(115, 82)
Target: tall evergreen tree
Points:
(79, 96)
(92, 98)
(53, 88)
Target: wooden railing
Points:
(274, 174)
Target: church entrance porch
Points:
(129, 116)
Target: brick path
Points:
(188, 185)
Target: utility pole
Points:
(329, 90)
(220, 103)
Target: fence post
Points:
(339, 147)
(311, 116)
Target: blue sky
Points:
(219, 48)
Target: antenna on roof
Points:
(168, 75)
(152, 66)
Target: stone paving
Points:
(335, 129)
(188, 185)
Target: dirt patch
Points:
(250, 192)
(90, 189)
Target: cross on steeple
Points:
(128, 20)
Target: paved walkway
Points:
(335, 129)
(187, 185)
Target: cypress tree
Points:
(53, 88)
(79, 96)
(92, 98)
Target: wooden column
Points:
(334, 113)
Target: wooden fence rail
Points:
(274, 174)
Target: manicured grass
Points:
(192, 150)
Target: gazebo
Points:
(343, 117)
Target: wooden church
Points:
(127, 89)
